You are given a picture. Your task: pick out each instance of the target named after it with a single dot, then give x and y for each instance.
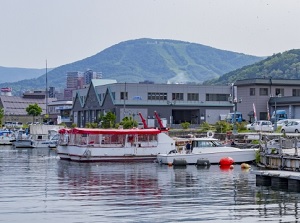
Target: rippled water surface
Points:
(35, 186)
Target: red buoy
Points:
(226, 161)
(226, 168)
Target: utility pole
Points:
(234, 98)
(46, 92)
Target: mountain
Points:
(284, 65)
(155, 60)
(11, 74)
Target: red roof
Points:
(110, 131)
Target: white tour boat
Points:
(88, 145)
(209, 149)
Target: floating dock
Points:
(278, 180)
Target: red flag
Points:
(268, 111)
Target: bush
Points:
(223, 126)
(92, 125)
(205, 127)
(185, 125)
(241, 126)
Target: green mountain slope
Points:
(280, 66)
(155, 60)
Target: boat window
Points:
(203, 144)
(216, 143)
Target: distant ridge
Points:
(12, 74)
(284, 65)
(157, 60)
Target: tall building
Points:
(79, 80)
(74, 80)
(51, 92)
(89, 75)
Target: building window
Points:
(263, 115)
(193, 97)
(159, 96)
(296, 92)
(177, 96)
(217, 97)
(279, 91)
(124, 95)
(263, 92)
(252, 91)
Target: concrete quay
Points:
(278, 179)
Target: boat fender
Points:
(203, 162)
(179, 162)
(210, 134)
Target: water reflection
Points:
(110, 179)
(37, 186)
(276, 203)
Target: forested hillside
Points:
(279, 66)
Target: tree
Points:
(34, 110)
(108, 120)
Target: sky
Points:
(65, 31)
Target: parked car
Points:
(282, 122)
(250, 126)
(263, 126)
(291, 126)
(285, 121)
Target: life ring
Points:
(210, 134)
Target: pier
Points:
(278, 180)
(279, 152)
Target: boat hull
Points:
(23, 144)
(92, 154)
(45, 144)
(6, 141)
(244, 155)
(114, 145)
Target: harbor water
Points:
(36, 186)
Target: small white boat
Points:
(45, 136)
(209, 149)
(6, 137)
(23, 140)
(113, 145)
(24, 143)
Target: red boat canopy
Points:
(110, 131)
(63, 131)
